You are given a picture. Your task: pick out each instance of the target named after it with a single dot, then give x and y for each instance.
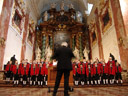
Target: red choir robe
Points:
(33, 72)
(119, 69)
(105, 69)
(41, 71)
(9, 67)
(81, 71)
(87, 71)
(98, 69)
(75, 70)
(85, 64)
(14, 69)
(113, 63)
(23, 71)
(111, 71)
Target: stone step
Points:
(3, 84)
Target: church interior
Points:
(95, 30)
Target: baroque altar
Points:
(59, 26)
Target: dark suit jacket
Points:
(63, 55)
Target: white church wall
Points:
(29, 52)
(95, 51)
(110, 44)
(13, 45)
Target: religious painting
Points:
(105, 17)
(93, 32)
(94, 37)
(61, 36)
(17, 19)
(30, 37)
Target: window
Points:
(17, 19)
(1, 5)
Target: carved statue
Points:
(62, 5)
(85, 52)
(72, 16)
(53, 5)
(48, 53)
(71, 6)
(76, 53)
(38, 53)
(45, 16)
(51, 16)
(78, 16)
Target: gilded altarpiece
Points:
(58, 28)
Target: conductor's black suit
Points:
(63, 55)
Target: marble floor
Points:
(88, 91)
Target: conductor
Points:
(63, 55)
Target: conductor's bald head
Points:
(64, 44)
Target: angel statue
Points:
(48, 53)
(71, 6)
(76, 53)
(85, 52)
(53, 5)
(62, 5)
(38, 53)
(45, 16)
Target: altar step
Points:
(3, 84)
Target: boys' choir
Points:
(97, 72)
(84, 72)
(33, 73)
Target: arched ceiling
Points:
(40, 6)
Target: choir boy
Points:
(104, 72)
(40, 75)
(16, 72)
(85, 63)
(111, 73)
(8, 71)
(29, 72)
(96, 69)
(33, 73)
(75, 75)
(89, 73)
(20, 68)
(111, 61)
(118, 73)
(28, 66)
(24, 73)
(82, 74)
(45, 68)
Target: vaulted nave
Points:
(32, 30)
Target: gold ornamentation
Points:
(123, 41)
(2, 42)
